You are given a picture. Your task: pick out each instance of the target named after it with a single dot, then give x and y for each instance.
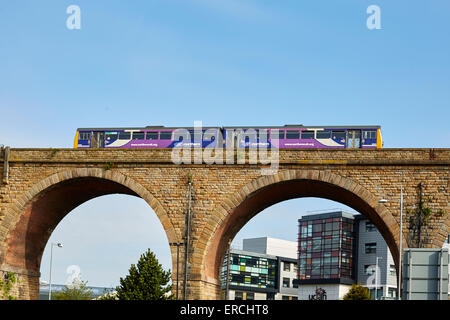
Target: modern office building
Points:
(338, 249)
(326, 244)
(264, 270)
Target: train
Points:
(283, 137)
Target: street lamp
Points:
(376, 278)
(59, 245)
(400, 250)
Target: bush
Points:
(358, 292)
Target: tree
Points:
(6, 285)
(80, 291)
(358, 292)
(146, 281)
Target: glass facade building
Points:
(326, 248)
(256, 272)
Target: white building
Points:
(286, 253)
(375, 265)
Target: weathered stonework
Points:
(44, 185)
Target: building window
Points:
(371, 247)
(285, 298)
(294, 284)
(392, 292)
(238, 295)
(286, 282)
(287, 266)
(370, 227)
(250, 296)
(392, 270)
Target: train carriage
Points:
(285, 137)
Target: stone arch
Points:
(232, 214)
(30, 220)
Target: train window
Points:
(138, 135)
(165, 135)
(307, 134)
(338, 135)
(196, 135)
(290, 134)
(111, 136)
(369, 134)
(280, 134)
(323, 134)
(152, 135)
(84, 136)
(124, 135)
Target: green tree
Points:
(78, 291)
(146, 281)
(9, 279)
(358, 292)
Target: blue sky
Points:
(233, 62)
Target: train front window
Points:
(138, 135)
(290, 134)
(124, 135)
(307, 134)
(165, 135)
(84, 136)
(152, 135)
(369, 134)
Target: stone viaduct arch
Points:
(266, 191)
(48, 202)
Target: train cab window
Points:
(165, 135)
(124, 135)
(152, 135)
(338, 135)
(138, 135)
(323, 134)
(291, 134)
(307, 134)
(84, 136)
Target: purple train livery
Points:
(285, 137)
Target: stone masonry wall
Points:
(218, 189)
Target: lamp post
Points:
(399, 297)
(376, 278)
(59, 245)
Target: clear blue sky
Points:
(224, 62)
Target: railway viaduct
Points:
(38, 187)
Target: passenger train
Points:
(289, 137)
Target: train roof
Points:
(287, 126)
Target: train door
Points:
(353, 138)
(98, 139)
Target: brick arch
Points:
(233, 213)
(31, 219)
